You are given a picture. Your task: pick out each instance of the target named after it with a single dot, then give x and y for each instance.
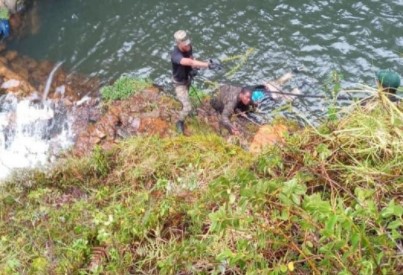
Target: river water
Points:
(110, 38)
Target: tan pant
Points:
(182, 94)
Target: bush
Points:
(124, 87)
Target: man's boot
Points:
(180, 127)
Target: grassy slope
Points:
(329, 201)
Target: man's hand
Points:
(214, 65)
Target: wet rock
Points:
(134, 124)
(19, 66)
(124, 118)
(45, 66)
(115, 110)
(12, 83)
(60, 77)
(152, 114)
(108, 145)
(122, 133)
(33, 76)
(2, 46)
(140, 114)
(154, 126)
(11, 55)
(35, 98)
(31, 64)
(94, 140)
(99, 134)
(67, 102)
(60, 91)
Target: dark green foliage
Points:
(324, 203)
(124, 87)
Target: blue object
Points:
(258, 95)
(4, 28)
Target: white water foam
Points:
(50, 79)
(31, 134)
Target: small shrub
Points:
(197, 96)
(4, 13)
(124, 87)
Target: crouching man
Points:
(231, 99)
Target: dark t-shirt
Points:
(180, 73)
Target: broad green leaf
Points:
(355, 239)
(392, 210)
(329, 226)
(395, 224)
(232, 198)
(362, 194)
(323, 151)
(283, 268)
(315, 205)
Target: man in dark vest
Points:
(182, 65)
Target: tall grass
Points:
(327, 202)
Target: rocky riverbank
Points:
(71, 106)
(151, 112)
(24, 76)
(68, 108)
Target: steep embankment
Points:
(328, 201)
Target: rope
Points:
(281, 92)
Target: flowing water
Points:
(31, 132)
(106, 39)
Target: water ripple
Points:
(135, 37)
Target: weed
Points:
(326, 202)
(197, 96)
(243, 58)
(333, 87)
(124, 87)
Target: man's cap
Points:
(182, 37)
(388, 78)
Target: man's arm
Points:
(193, 63)
(225, 116)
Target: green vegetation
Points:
(242, 59)
(333, 87)
(124, 87)
(4, 14)
(197, 96)
(327, 202)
